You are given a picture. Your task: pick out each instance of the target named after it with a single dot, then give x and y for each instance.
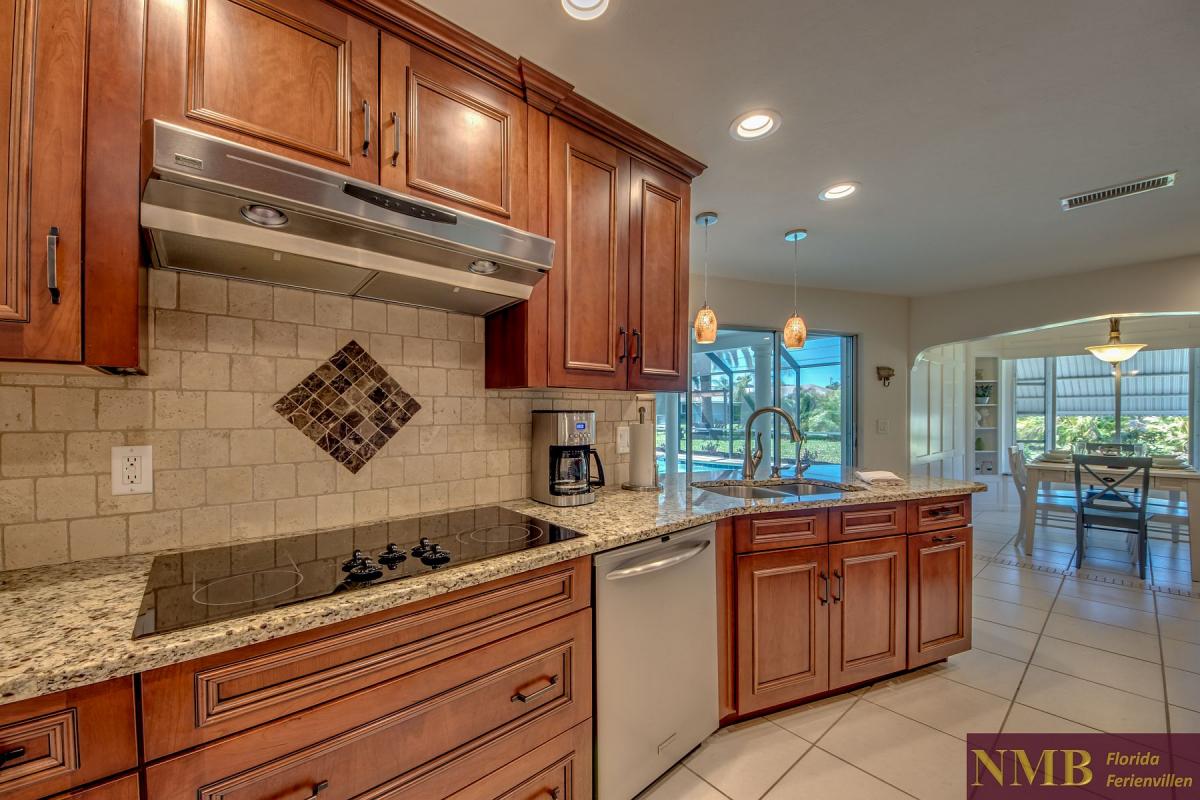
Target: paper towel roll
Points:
(642, 467)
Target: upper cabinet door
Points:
(451, 137)
(659, 220)
(589, 282)
(295, 77)
(43, 50)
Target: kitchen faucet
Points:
(751, 461)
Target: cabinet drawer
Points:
(120, 789)
(939, 513)
(516, 692)
(199, 701)
(560, 769)
(865, 522)
(779, 531)
(59, 741)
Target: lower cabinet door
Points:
(782, 627)
(939, 595)
(867, 619)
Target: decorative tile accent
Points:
(350, 406)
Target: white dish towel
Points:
(879, 477)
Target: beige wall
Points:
(879, 321)
(1153, 288)
(226, 466)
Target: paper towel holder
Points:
(633, 487)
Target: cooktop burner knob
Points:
(364, 572)
(422, 548)
(435, 556)
(353, 561)
(391, 556)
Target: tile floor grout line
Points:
(704, 780)
(1028, 663)
(811, 745)
(863, 771)
(1163, 667)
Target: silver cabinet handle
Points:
(395, 138)
(656, 564)
(366, 128)
(525, 698)
(52, 264)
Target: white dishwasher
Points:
(656, 657)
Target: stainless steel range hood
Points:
(217, 207)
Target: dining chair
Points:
(1046, 500)
(1118, 505)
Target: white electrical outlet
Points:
(132, 470)
(623, 439)
(881, 427)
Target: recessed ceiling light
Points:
(755, 124)
(838, 191)
(585, 9)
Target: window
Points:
(1153, 392)
(747, 369)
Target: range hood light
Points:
(266, 216)
(481, 266)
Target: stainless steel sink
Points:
(743, 491)
(773, 489)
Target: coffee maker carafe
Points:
(564, 455)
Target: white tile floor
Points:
(1055, 650)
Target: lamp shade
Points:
(1114, 351)
(795, 332)
(706, 325)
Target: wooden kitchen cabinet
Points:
(867, 617)
(614, 311)
(939, 595)
(660, 218)
(59, 741)
(782, 627)
(43, 48)
(451, 137)
(295, 77)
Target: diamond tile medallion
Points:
(350, 406)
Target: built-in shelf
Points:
(985, 440)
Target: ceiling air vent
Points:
(1120, 190)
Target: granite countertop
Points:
(70, 625)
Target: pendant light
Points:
(705, 326)
(1114, 351)
(795, 332)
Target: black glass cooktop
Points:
(220, 583)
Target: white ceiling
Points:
(964, 120)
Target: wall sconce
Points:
(885, 374)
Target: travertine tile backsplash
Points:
(226, 465)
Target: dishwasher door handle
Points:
(656, 563)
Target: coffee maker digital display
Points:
(566, 467)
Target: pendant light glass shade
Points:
(1114, 351)
(795, 331)
(705, 326)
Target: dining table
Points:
(1174, 480)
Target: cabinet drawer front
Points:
(865, 522)
(120, 789)
(560, 769)
(939, 513)
(199, 701)
(778, 531)
(526, 688)
(52, 743)
(939, 595)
